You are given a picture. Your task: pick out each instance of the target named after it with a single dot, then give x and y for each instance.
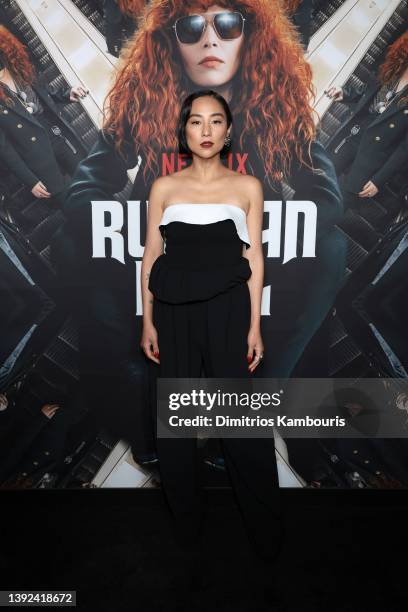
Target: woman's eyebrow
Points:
(211, 115)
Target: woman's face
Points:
(226, 54)
(207, 123)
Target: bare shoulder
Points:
(160, 185)
(159, 190)
(244, 181)
(252, 184)
(252, 187)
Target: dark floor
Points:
(343, 552)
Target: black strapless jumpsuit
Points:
(202, 311)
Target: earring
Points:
(227, 140)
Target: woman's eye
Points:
(198, 122)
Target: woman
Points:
(376, 144)
(244, 51)
(205, 125)
(32, 144)
(202, 300)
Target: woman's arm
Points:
(152, 250)
(98, 177)
(319, 185)
(11, 158)
(62, 94)
(256, 261)
(313, 281)
(395, 162)
(348, 94)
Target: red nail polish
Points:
(249, 358)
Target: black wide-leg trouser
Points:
(212, 335)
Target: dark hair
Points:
(185, 113)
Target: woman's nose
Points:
(206, 130)
(209, 37)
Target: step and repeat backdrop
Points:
(321, 121)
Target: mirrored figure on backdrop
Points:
(373, 145)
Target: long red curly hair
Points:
(274, 78)
(395, 62)
(16, 60)
(291, 5)
(131, 7)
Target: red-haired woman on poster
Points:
(249, 52)
(33, 136)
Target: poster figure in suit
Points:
(36, 143)
(274, 139)
(373, 144)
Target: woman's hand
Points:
(149, 342)
(3, 402)
(255, 348)
(77, 93)
(369, 190)
(49, 410)
(335, 93)
(40, 191)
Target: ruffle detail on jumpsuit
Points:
(174, 285)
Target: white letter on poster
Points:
(272, 235)
(102, 232)
(309, 209)
(135, 249)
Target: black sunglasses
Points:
(190, 29)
